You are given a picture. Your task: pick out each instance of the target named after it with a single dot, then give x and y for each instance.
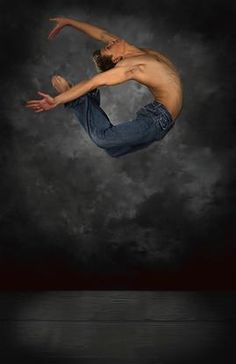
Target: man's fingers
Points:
(32, 105)
(54, 32)
(32, 101)
(50, 35)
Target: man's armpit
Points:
(113, 76)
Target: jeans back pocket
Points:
(164, 122)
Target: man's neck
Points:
(131, 51)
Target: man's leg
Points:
(116, 140)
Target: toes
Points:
(60, 83)
(53, 80)
(55, 77)
(58, 77)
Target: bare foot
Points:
(60, 84)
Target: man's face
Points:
(113, 48)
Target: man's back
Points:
(158, 73)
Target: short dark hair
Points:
(103, 63)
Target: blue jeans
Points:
(152, 122)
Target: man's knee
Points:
(117, 152)
(101, 140)
(111, 150)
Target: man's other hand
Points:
(60, 23)
(45, 104)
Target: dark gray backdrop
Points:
(62, 197)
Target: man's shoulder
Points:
(136, 63)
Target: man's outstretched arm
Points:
(91, 30)
(114, 76)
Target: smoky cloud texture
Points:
(63, 196)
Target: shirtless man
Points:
(118, 62)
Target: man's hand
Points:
(89, 29)
(45, 104)
(60, 23)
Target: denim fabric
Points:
(152, 122)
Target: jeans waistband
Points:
(158, 105)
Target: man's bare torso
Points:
(158, 73)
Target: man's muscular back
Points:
(158, 73)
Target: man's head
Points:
(107, 57)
